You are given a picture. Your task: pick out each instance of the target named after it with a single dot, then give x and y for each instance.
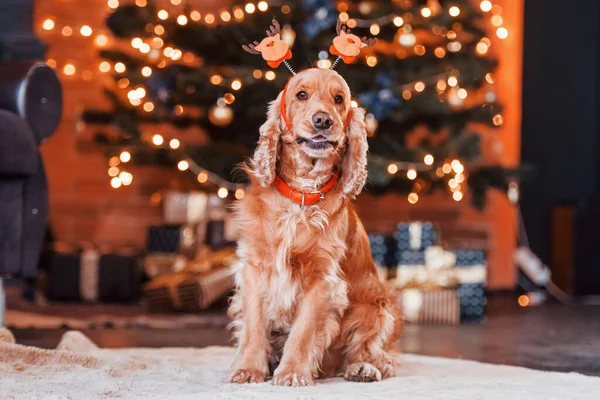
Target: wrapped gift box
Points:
(471, 269)
(196, 287)
(170, 238)
(463, 272)
(440, 306)
(383, 249)
(415, 236)
(75, 274)
(184, 207)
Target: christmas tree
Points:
(427, 85)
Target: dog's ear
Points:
(264, 161)
(354, 164)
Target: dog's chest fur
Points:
(292, 252)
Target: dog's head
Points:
(314, 115)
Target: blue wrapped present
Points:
(415, 236)
(383, 250)
(471, 268)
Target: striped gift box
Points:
(440, 307)
(200, 291)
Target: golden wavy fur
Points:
(309, 302)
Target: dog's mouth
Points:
(317, 142)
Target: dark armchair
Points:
(30, 109)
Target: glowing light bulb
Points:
(225, 16)
(86, 31)
(497, 20)
(157, 140)
(269, 75)
(452, 81)
(69, 69)
(250, 8)
(485, 5)
(457, 196)
(222, 192)
(454, 11)
(183, 165)
(141, 3)
(163, 14)
(145, 48)
(263, 6)
(462, 94)
(104, 66)
(375, 29)
(498, 120)
(398, 21)
(353, 103)
(125, 156)
(115, 182)
(101, 40)
(239, 193)
(481, 48)
(428, 159)
(203, 177)
(490, 78)
(209, 19)
(392, 169)
(146, 71)
(236, 84)
(426, 12)
(159, 29)
(126, 178)
(182, 20)
(257, 73)
(411, 174)
(113, 171)
(148, 106)
(502, 32)
(174, 144)
(420, 86)
(413, 198)
(195, 16)
(67, 31)
(48, 24)
(371, 61)
(120, 67)
(446, 168)
(457, 166)
(113, 3)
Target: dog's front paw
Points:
(362, 372)
(292, 379)
(246, 376)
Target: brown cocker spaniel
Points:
(309, 302)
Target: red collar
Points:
(305, 198)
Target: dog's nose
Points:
(322, 120)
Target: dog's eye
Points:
(339, 99)
(302, 95)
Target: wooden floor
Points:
(548, 337)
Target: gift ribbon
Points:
(439, 272)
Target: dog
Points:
(309, 302)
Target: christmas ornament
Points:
(513, 192)
(220, 115)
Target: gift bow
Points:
(439, 271)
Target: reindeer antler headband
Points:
(275, 51)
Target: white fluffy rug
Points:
(80, 370)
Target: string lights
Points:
(159, 54)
